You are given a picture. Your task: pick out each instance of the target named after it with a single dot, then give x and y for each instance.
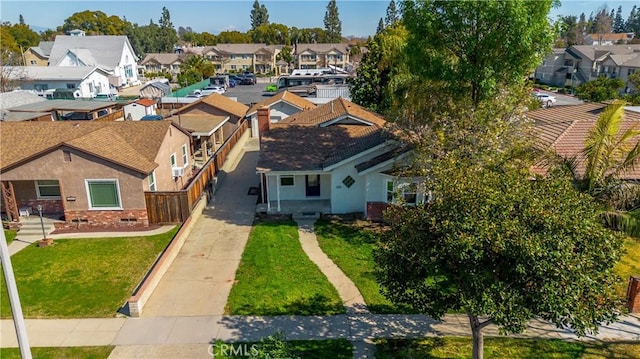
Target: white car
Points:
(212, 89)
(545, 99)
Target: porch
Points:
(322, 206)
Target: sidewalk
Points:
(202, 329)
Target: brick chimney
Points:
(264, 121)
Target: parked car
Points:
(106, 97)
(272, 88)
(195, 94)
(212, 89)
(545, 99)
(151, 118)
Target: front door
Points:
(313, 185)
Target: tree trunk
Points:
(478, 338)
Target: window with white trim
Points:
(48, 189)
(405, 192)
(152, 181)
(286, 180)
(103, 194)
(185, 156)
(172, 159)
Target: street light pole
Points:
(14, 299)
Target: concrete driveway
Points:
(200, 279)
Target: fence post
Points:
(633, 294)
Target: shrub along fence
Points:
(165, 207)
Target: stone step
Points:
(305, 215)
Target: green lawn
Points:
(10, 235)
(60, 353)
(351, 248)
(629, 265)
(276, 277)
(505, 348)
(80, 278)
(307, 349)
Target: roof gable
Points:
(284, 96)
(220, 102)
(107, 50)
(131, 144)
(334, 112)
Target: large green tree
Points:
(392, 15)
(502, 248)
(167, 35)
(259, 15)
(470, 49)
(94, 23)
(600, 89)
(332, 23)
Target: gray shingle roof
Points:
(51, 72)
(106, 50)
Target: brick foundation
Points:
(49, 206)
(122, 218)
(375, 211)
(633, 295)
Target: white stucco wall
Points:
(298, 190)
(137, 111)
(127, 58)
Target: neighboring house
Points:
(207, 132)
(162, 62)
(38, 55)
(114, 54)
(91, 173)
(81, 82)
(564, 130)
(314, 56)
(608, 39)
(155, 89)
(13, 99)
(140, 108)
(336, 158)
(71, 110)
(257, 58)
(281, 105)
(582, 63)
(219, 115)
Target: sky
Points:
(359, 17)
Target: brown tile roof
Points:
(146, 102)
(132, 144)
(565, 128)
(285, 96)
(220, 102)
(299, 148)
(334, 110)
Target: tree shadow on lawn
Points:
(315, 305)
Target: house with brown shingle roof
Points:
(336, 158)
(564, 130)
(281, 105)
(222, 115)
(608, 39)
(91, 173)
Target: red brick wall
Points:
(375, 210)
(123, 218)
(48, 206)
(633, 295)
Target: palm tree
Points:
(609, 153)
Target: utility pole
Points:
(14, 300)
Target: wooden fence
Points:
(176, 206)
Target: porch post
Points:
(266, 179)
(9, 199)
(278, 190)
(203, 148)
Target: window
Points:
(172, 159)
(631, 71)
(233, 67)
(41, 87)
(233, 57)
(185, 156)
(128, 71)
(244, 67)
(103, 194)
(48, 189)
(67, 156)
(33, 62)
(152, 181)
(286, 181)
(245, 56)
(405, 193)
(71, 86)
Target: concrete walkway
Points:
(200, 279)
